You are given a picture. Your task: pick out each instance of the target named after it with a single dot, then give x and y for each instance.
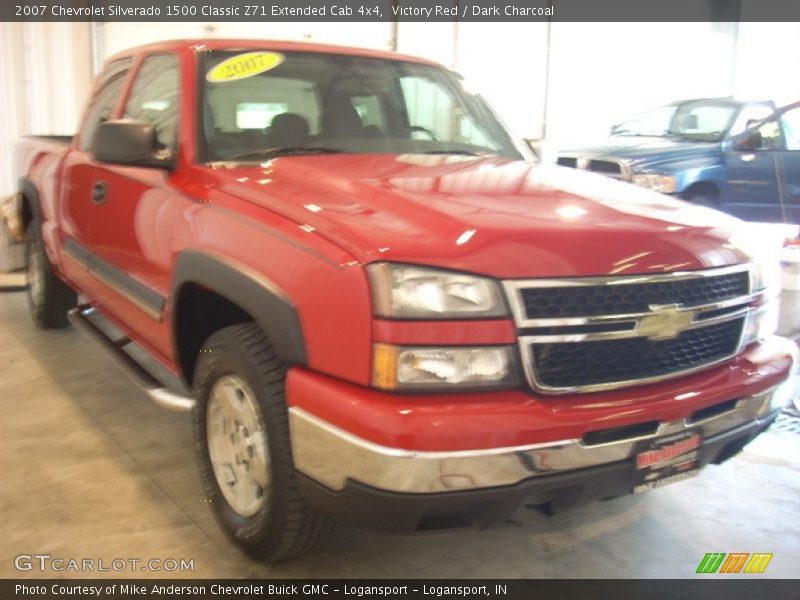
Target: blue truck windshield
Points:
(700, 121)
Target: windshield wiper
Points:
(700, 136)
(459, 152)
(632, 133)
(269, 153)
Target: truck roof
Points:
(729, 100)
(247, 44)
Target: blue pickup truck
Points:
(739, 157)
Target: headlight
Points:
(658, 183)
(408, 292)
(404, 368)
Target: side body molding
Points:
(269, 306)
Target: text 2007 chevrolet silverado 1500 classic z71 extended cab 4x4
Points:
(383, 313)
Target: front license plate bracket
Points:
(667, 459)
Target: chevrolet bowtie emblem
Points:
(667, 321)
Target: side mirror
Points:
(750, 141)
(127, 142)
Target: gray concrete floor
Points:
(90, 469)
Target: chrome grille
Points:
(603, 299)
(567, 161)
(575, 364)
(589, 334)
(607, 167)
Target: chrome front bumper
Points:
(332, 456)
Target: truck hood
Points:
(641, 149)
(486, 215)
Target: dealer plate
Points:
(666, 460)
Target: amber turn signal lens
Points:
(384, 366)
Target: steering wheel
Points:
(424, 130)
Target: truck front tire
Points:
(243, 447)
(49, 298)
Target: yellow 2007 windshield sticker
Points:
(242, 66)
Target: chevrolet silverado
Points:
(380, 310)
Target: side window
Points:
(106, 96)
(791, 129)
(154, 98)
(252, 103)
(770, 136)
(258, 115)
(749, 116)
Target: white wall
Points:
(507, 64)
(768, 62)
(598, 73)
(119, 36)
(45, 76)
(603, 72)
(435, 41)
(12, 106)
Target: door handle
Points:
(99, 191)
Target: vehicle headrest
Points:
(340, 119)
(288, 129)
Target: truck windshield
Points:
(697, 121)
(257, 105)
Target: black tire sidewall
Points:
(705, 200)
(34, 244)
(57, 298)
(220, 357)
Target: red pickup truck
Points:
(384, 313)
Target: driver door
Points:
(132, 225)
(753, 191)
(788, 162)
(79, 174)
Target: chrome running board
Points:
(156, 391)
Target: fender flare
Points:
(688, 190)
(269, 305)
(707, 174)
